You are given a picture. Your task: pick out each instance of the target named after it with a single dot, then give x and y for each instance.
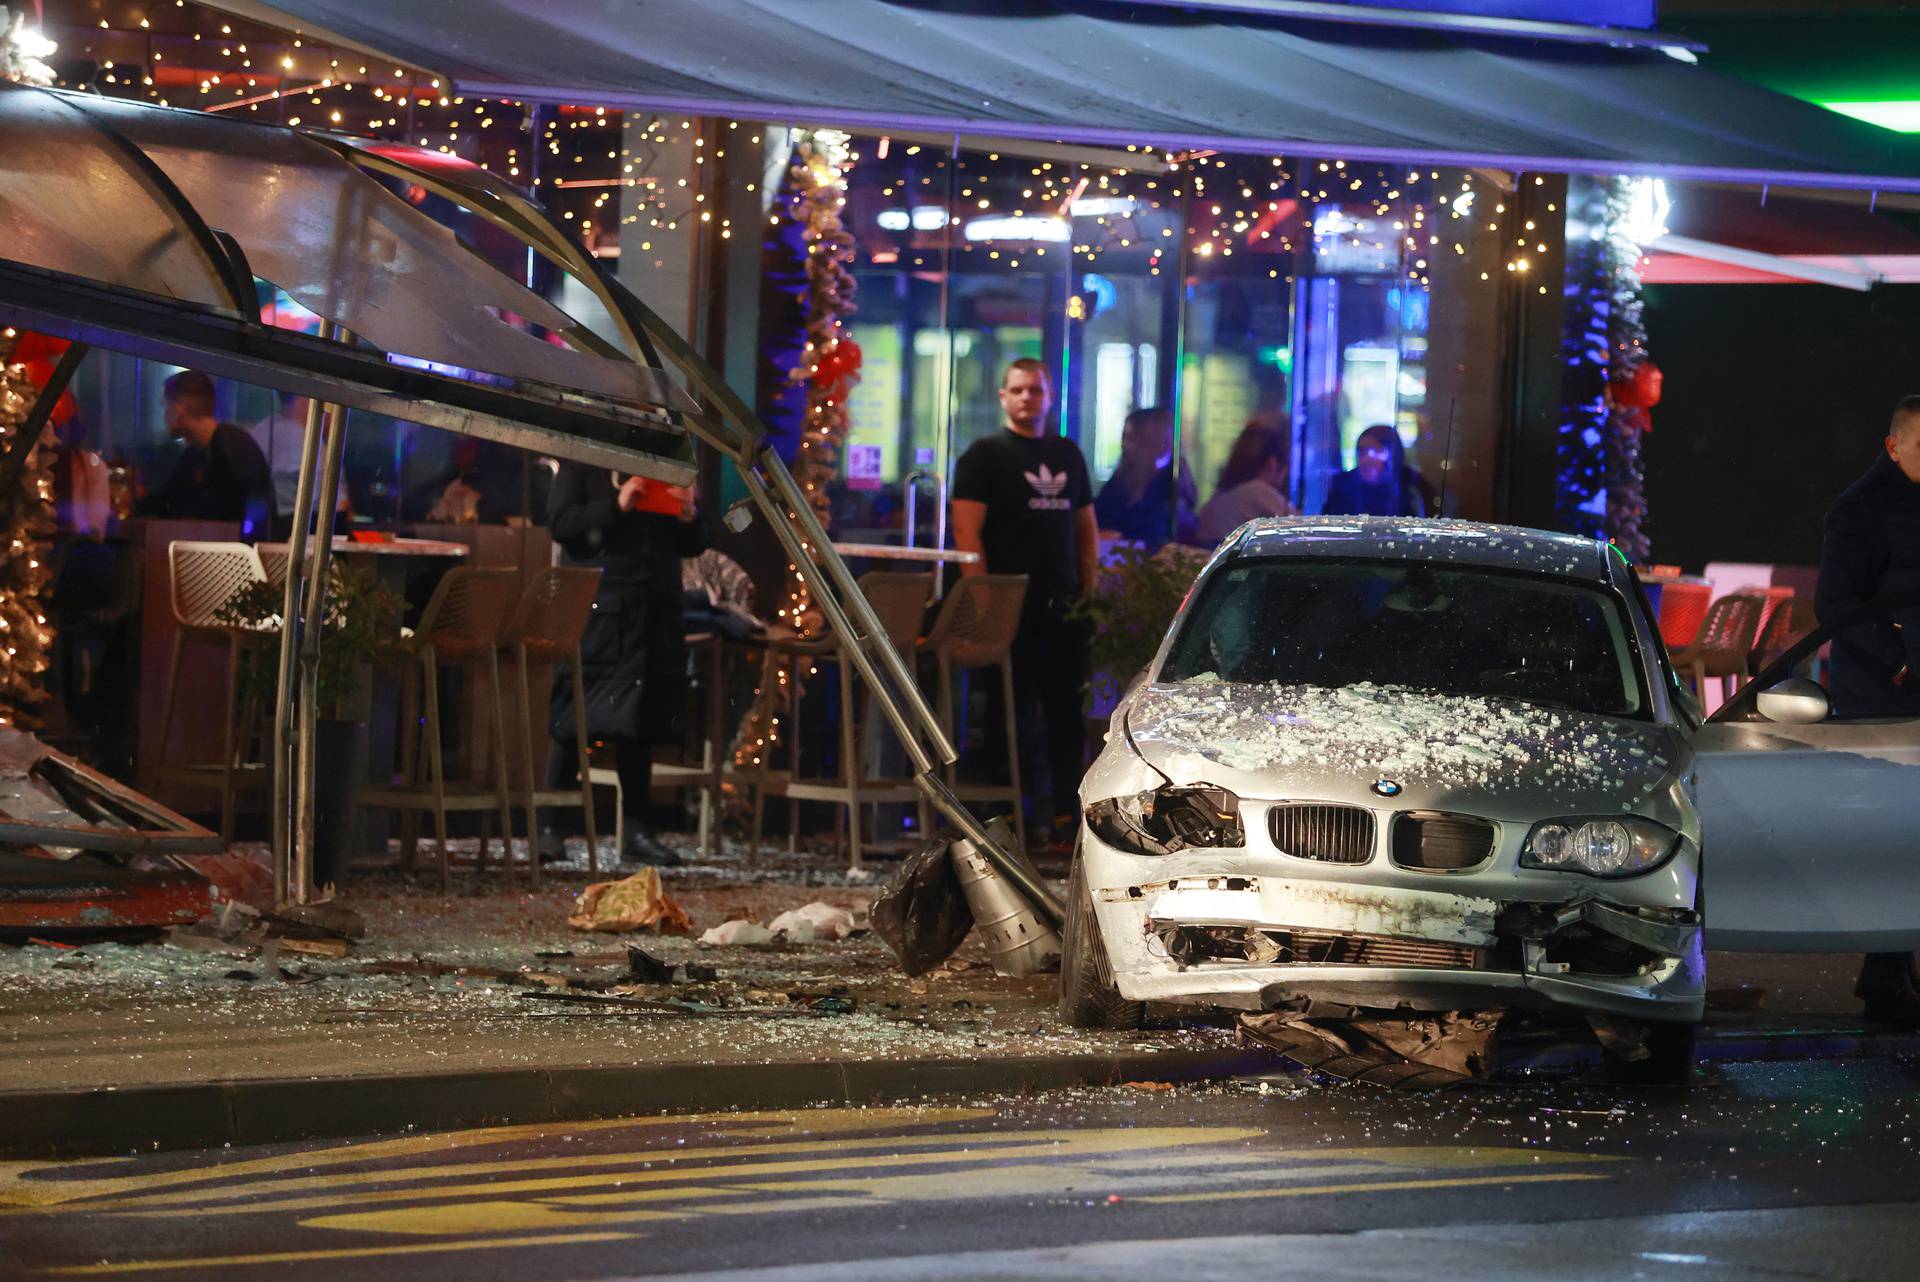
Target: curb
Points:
(112, 1122)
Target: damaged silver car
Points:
(1427, 770)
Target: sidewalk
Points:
(110, 1046)
(113, 1046)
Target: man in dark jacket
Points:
(222, 475)
(1869, 591)
(637, 531)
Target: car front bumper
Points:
(1237, 932)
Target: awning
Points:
(145, 229)
(1095, 71)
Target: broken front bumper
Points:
(1261, 942)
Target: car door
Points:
(1810, 834)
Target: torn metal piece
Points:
(1623, 1038)
(1345, 1053)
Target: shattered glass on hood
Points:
(1294, 735)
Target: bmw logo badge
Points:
(1386, 787)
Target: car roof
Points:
(1425, 539)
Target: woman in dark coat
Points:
(1381, 484)
(600, 518)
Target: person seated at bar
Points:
(222, 475)
(1381, 483)
(1249, 484)
(1150, 497)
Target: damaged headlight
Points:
(1167, 820)
(1617, 846)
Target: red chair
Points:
(1683, 607)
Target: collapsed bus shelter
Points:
(149, 231)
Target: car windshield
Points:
(1458, 631)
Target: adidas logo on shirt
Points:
(1047, 486)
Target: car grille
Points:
(1331, 834)
(1312, 947)
(1427, 839)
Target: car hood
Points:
(1500, 758)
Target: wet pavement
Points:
(1775, 1170)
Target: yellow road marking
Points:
(336, 1253)
(199, 1198)
(19, 1190)
(985, 1148)
(1468, 1181)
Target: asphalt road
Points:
(1768, 1171)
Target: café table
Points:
(894, 552)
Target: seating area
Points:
(1728, 637)
(460, 721)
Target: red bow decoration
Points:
(839, 363)
(1640, 388)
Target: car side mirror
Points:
(1794, 702)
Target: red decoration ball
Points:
(1641, 388)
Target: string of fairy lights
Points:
(593, 166)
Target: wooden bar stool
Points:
(975, 630)
(460, 628)
(202, 577)
(900, 602)
(546, 628)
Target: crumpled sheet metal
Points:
(1414, 1054)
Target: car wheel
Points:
(1088, 997)
(1669, 1061)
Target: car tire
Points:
(1671, 1050)
(1088, 997)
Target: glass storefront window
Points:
(1286, 293)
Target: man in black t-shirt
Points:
(222, 475)
(1023, 500)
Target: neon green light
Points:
(1902, 115)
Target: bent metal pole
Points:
(301, 608)
(312, 631)
(283, 709)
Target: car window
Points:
(1329, 623)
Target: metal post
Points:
(283, 706)
(293, 703)
(313, 629)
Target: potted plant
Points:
(1130, 609)
(361, 627)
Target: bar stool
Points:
(900, 603)
(975, 629)
(546, 628)
(202, 577)
(708, 771)
(461, 627)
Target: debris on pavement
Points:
(816, 920)
(921, 913)
(1019, 941)
(739, 931)
(644, 967)
(639, 902)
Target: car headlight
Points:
(1166, 820)
(1616, 846)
